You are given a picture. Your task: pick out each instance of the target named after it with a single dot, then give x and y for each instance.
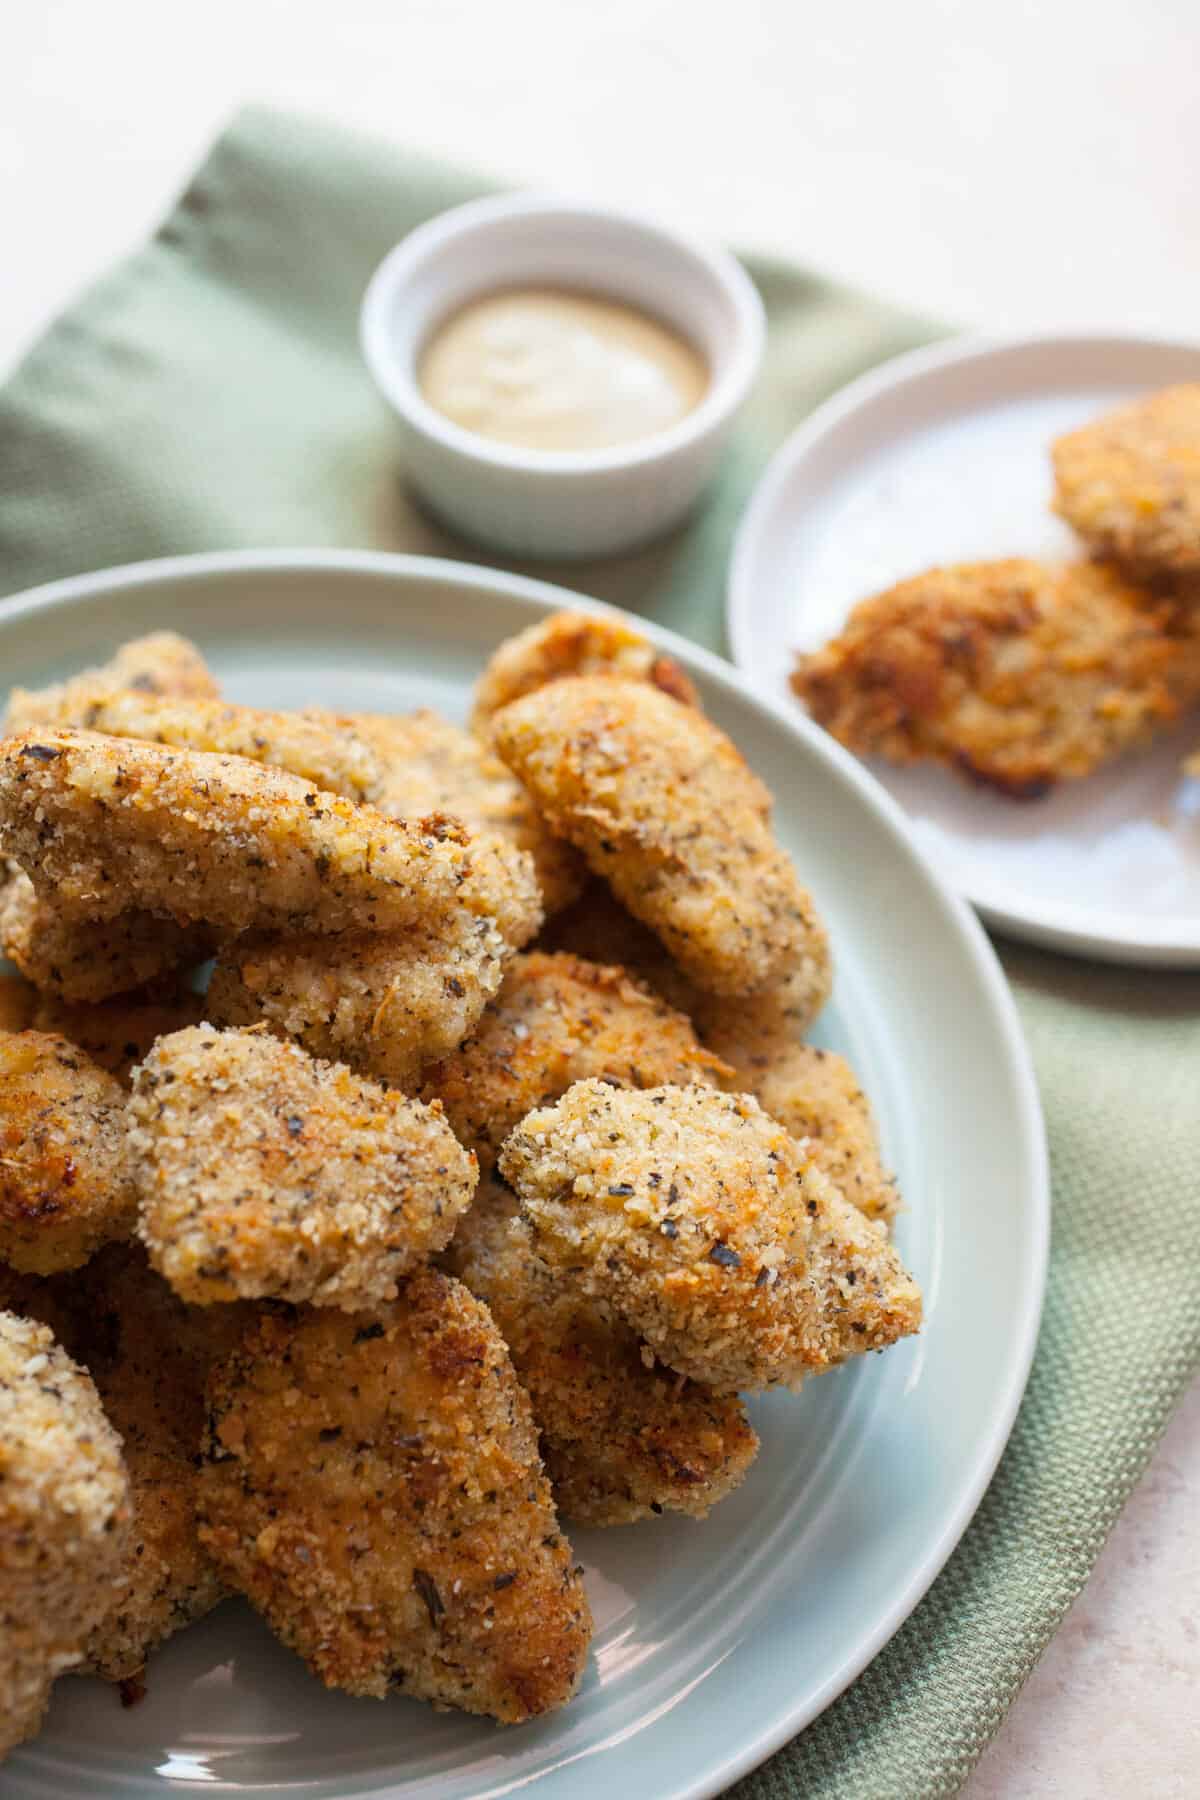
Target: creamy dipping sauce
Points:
(551, 369)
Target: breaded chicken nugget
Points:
(17, 1001)
(663, 806)
(555, 1021)
(65, 1183)
(162, 663)
(387, 1003)
(622, 1437)
(1015, 674)
(263, 1172)
(573, 643)
(95, 959)
(64, 1511)
(110, 824)
(431, 766)
(710, 1231)
(118, 1033)
(373, 1486)
(1130, 482)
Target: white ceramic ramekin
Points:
(557, 502)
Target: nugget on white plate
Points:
(116, 1034)
(65, 1182)
(1129, 482)
(64, 1519)
(387, 1003)
(622, 1437)
(163, 664)
(93, 959)
(109, 824)
(574, 643)
(432, 766)
(710, 1230)
(555, 1021)
(373, 1486)
(262, 1172)
(665, 809)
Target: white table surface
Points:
(1031, 164)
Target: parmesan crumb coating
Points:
(64, 1513)
(162, 664)
(431, 766)
(574, 643)
(622, 1436)
(118, 1033)
(91, 960)
(710, 1231)
(1014, 674)
(373, 1486)
(1130, 482)
(555, 1021)
(665, 809)
(262, 1172)
(65, 1182)
(323, 750)
(387, 1004)
(110, 824)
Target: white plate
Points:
(943, 456)
(716, 1640)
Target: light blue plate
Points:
(716, 1640)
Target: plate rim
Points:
(541, 598)
(1102, 934)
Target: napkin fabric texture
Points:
(208, 394)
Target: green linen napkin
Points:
(208, 394)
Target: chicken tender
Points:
(388, 1003)
(574, 643)
(65, 1181)
(622, 1437)
(555, 1021)
(373, 1486)
(161, 664)
(666, 810)
(710, 1230)
(1130, 482)
(118, 1033)
(91, 960)
(263, 1172)
(112, 824)
(1014, 674)
(64, 1512)
(431, 766)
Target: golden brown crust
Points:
(1013, 673)
(622, 1437)
(373, 1486)
(666, 810)
(17, 1001)
(263, 1172)
(162, 664)
(95, 959)
(109, 824)
(574, 643)
(118, 1033)
(709, 1230)
(1129, 483)
(555, 1021)
(65, 1184)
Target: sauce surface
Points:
(553, 369)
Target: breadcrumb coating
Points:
(431, 766)
(573, 643)
(1013, 673)
(262, 1172)
(118, 1033)
(65, 1182)
(94, 959)
(555, 1021)
(373, 1486)
(64, 1513)
(1129, 483)
(710, 1230)
(162, 664)
(666, 810)
(622, 1436)
(110, 824)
